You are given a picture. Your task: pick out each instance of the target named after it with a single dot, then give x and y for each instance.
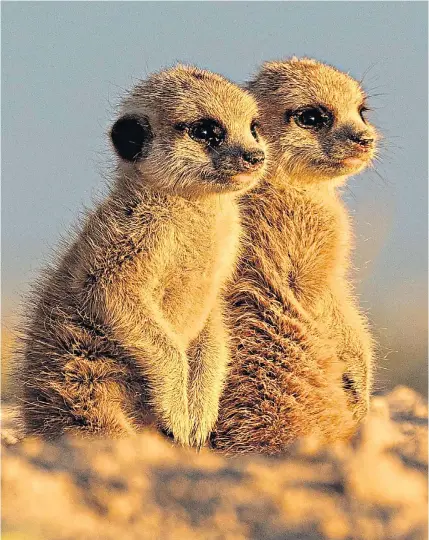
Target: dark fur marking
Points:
(292, 280)
(181, 126)
(80, 421)
(199, 76)
(349, 387)
(85, 322)
(288, 115)
(90, 280)
(167, 433)
(109, 270)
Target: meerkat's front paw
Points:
(176, 422)
(202, 423)
(181, 431)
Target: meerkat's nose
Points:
(253, 158)
(361, 139)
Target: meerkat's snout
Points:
(236, 155)
(238, 164)
(357, 145)
(231, 154)
(350, 147)
(363, 140)
(253, 159)
(238, 160)
(242, 159)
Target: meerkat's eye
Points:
(254, 126)
(313, 118)
(362, 110)
(207, 131)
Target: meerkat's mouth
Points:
(244, 177)
(353, 161)
(349, 163)
(236, 181)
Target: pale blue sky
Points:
(64, 64)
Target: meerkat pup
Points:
(302, 350)
(132, 313)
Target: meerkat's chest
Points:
(205, 253)
(208, 245)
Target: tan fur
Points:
(132, 312)
(302, 350)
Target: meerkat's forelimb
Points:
(209, 355)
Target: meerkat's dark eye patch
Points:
(362, 110)
(131, 136)
(313, 118)
(207, 131)
(254, 126)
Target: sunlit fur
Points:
(127, 328)
(302, 350)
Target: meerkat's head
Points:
(314, 118)
(190, 131)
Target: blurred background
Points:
(65, 65)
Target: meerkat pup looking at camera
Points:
(132, 313)
(302, 350)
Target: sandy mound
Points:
(143, 488)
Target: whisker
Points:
(386, 183)
(367, 71)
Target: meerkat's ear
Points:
(131, 136)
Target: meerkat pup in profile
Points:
(132, 313)
(302, 350)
